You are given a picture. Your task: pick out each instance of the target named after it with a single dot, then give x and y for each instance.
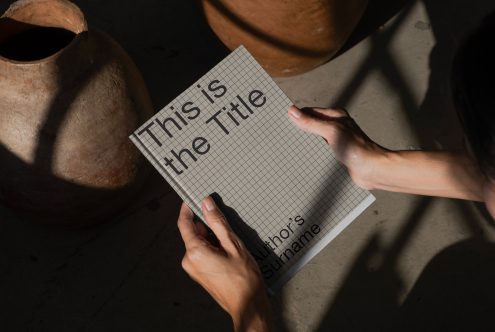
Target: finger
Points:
(323, 113)
(186, 225)
(314, 124)
(219, 225)
(331, 112)
(201, 229)
(340, 116)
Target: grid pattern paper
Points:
(282, 190)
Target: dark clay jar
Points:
(69, 99)
(286, 37)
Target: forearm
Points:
(445, 174)
(255, 323)
(255, 318)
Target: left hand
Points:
(226, 270)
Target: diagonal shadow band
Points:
(370, 292)
(253, 30)
(364, 291)
(70, 84)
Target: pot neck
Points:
(46, 13)
(28, 15)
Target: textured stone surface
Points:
(125, 275)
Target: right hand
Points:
(350, 144)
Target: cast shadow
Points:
(369, 294)
(376, 14)
(369, 299)
(257, 33)
(30, 187)
(170, 42)
(259, 250)
(123, 274)
(127, 276)
(455, 291)
(437, 119)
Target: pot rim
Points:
(77, 25)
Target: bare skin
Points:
(226, 270)
(230, 274)
(439, 173)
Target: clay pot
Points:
(286, 37)
(69, 99)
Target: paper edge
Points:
(322, 243)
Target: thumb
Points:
(314, 124)
(219, 225)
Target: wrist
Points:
(374, 170)
(254, 317)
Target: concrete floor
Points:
(408, 263)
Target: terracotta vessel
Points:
(286, 37)
(69, 98)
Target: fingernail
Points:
(295, 112)
(209, 204)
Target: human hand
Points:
(226, 270)
(350, 144)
